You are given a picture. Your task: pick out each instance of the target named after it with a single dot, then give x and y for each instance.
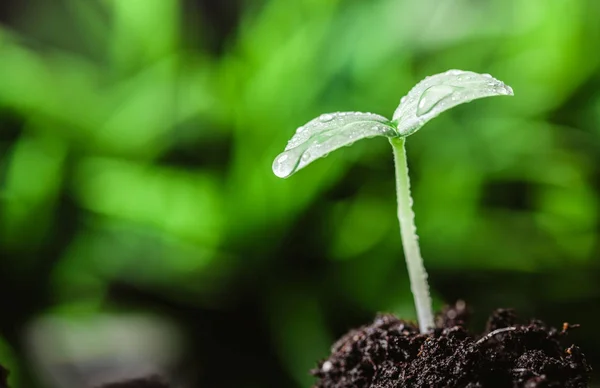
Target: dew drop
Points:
(285, 164)
(325, 118)
(432, 97)
(504, 90)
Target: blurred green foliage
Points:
(136, 139)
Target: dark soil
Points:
(390, 353)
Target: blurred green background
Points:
(136, 142)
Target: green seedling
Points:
(425, 101)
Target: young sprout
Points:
(425, 101)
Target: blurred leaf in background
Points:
(136, 139)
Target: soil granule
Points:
(390, 353)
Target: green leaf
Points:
(327, 133)
(441, 92)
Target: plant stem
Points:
(410, 243)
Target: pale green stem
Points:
(408, 230)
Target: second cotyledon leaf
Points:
(440, 92)
(425, 101)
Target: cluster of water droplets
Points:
(327, 133)
(441, 92)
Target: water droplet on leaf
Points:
(326, 118)
(432, 97)
(504, 90)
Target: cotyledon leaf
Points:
(327, 133)
(441, 92)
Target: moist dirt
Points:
(391, 353)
